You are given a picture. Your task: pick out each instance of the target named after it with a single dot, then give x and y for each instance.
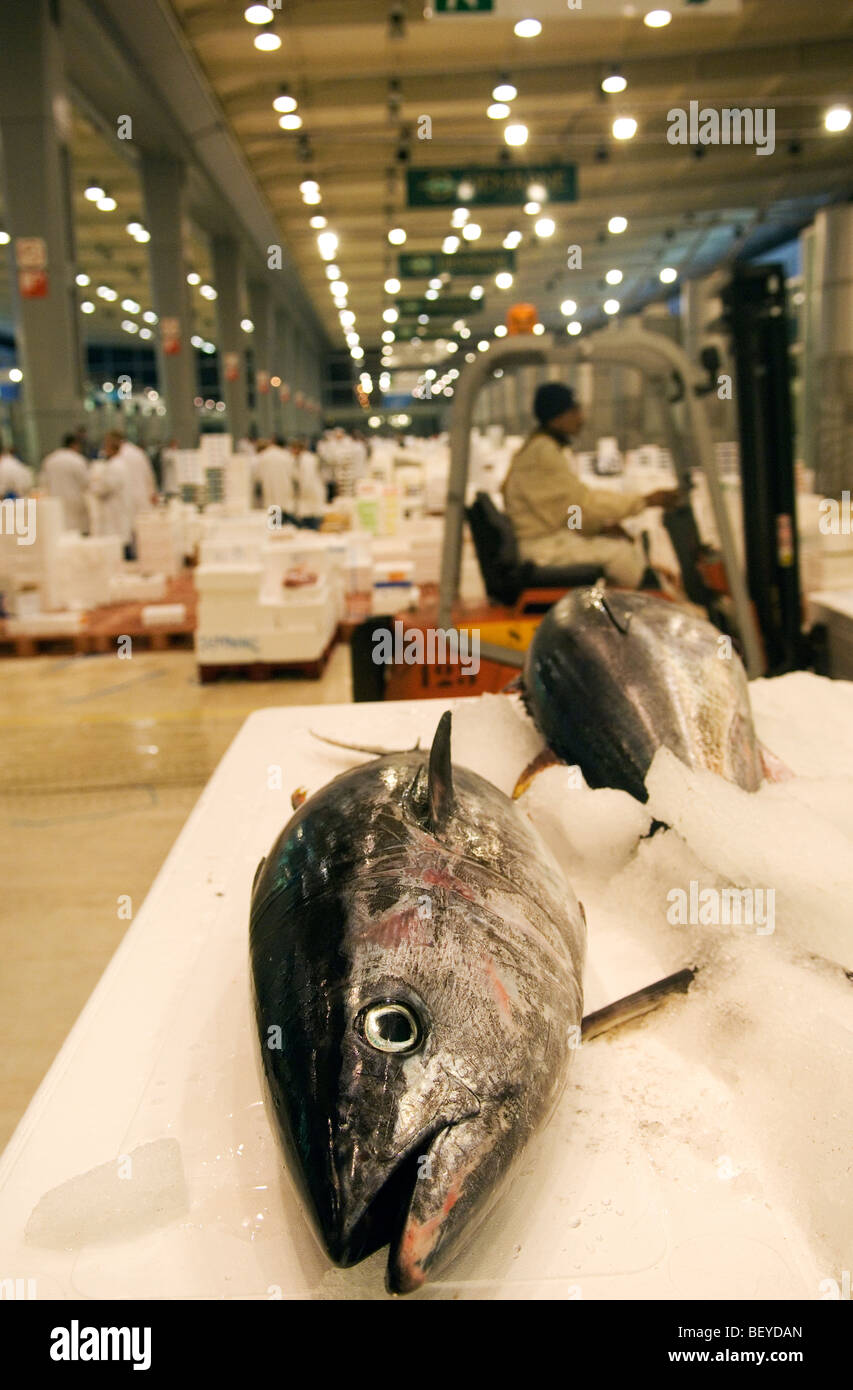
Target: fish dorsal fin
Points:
(440, 779)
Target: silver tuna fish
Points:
(610, 677)
(417, 963)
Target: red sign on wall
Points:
(170, 330)
(33, 284)
(262, 380)
(231, 362)
(284, 393)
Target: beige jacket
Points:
(541, 486)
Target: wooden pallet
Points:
(103, 626)
(266, 670)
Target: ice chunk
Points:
(807, 721)
(765, 840)
(119, 1200)
(591, 833)
(492, 735)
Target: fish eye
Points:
(390, 1026)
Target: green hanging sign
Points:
(491, 185)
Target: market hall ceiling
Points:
(363, 74)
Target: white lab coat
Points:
(66, 476)
(109, 498)
(15, 476)
(141, 482)
(275, 472)
(310, 488)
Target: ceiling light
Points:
(390, 315)
(435, 283)
(284, 103)
(333, 272)
(392, 286)
(503, 280)
(504, 91)
(532, 209)
(145, 333)
(423, 319)
(397, 236)
(614, 277)
(93, 193)
(431, 294)
(106, 204)
(312, 198)
(129, 326)
(133, 228)
(247, 325)
(657, 19)
(309, 186)
(450, 245)
(293, 121)
(539, 329)
(545, 227)
(130, 306)
(340, 287)
(193, 278)
(357, 353)
(196, 341)
(668, 275)
(347, 318)
(149, 316)
(104, 292)
(500, 330)
(472, 231)
(4, 238)
(624, 128)
(528, 29)
(352, 340)
(516, 134)
(87, 306)
(318, 222)
(498, 111)
(327, 243)
(142, 235)
(483, 345)
(452, 347)
(568, 307)
(617, 225)
(574, 327)
(82, 279)
(465, 333)
(476, 293)
(388, 336)
(267, 41)
(837, 118)
(611, 306)
(258, 14)
(614, 82)
(207, 292)
(511, 240)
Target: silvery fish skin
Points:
(410, 904)
(610, 677)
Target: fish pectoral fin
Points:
(542, 760)
(642, 1001)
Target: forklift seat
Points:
(505, 575)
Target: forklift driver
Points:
(558, 520)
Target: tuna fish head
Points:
(423, 957)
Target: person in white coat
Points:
(65, 474)
(16, 478)
(275, 470)
(109, 494)
(310, 488)
(142, 484)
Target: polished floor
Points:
(101, 761)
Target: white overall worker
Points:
(274, 472)
(141, 482)
(310, 488)
(542, 486)
(65, 474)
(109, 494)
(16, 478)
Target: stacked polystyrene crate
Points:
(88, 568)
(30, 534)
(159, 543)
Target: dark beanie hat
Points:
(551, 400)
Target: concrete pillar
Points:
(262, 314)
(163, 190)
(228, 279)
(834, 257)
(34, 131)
